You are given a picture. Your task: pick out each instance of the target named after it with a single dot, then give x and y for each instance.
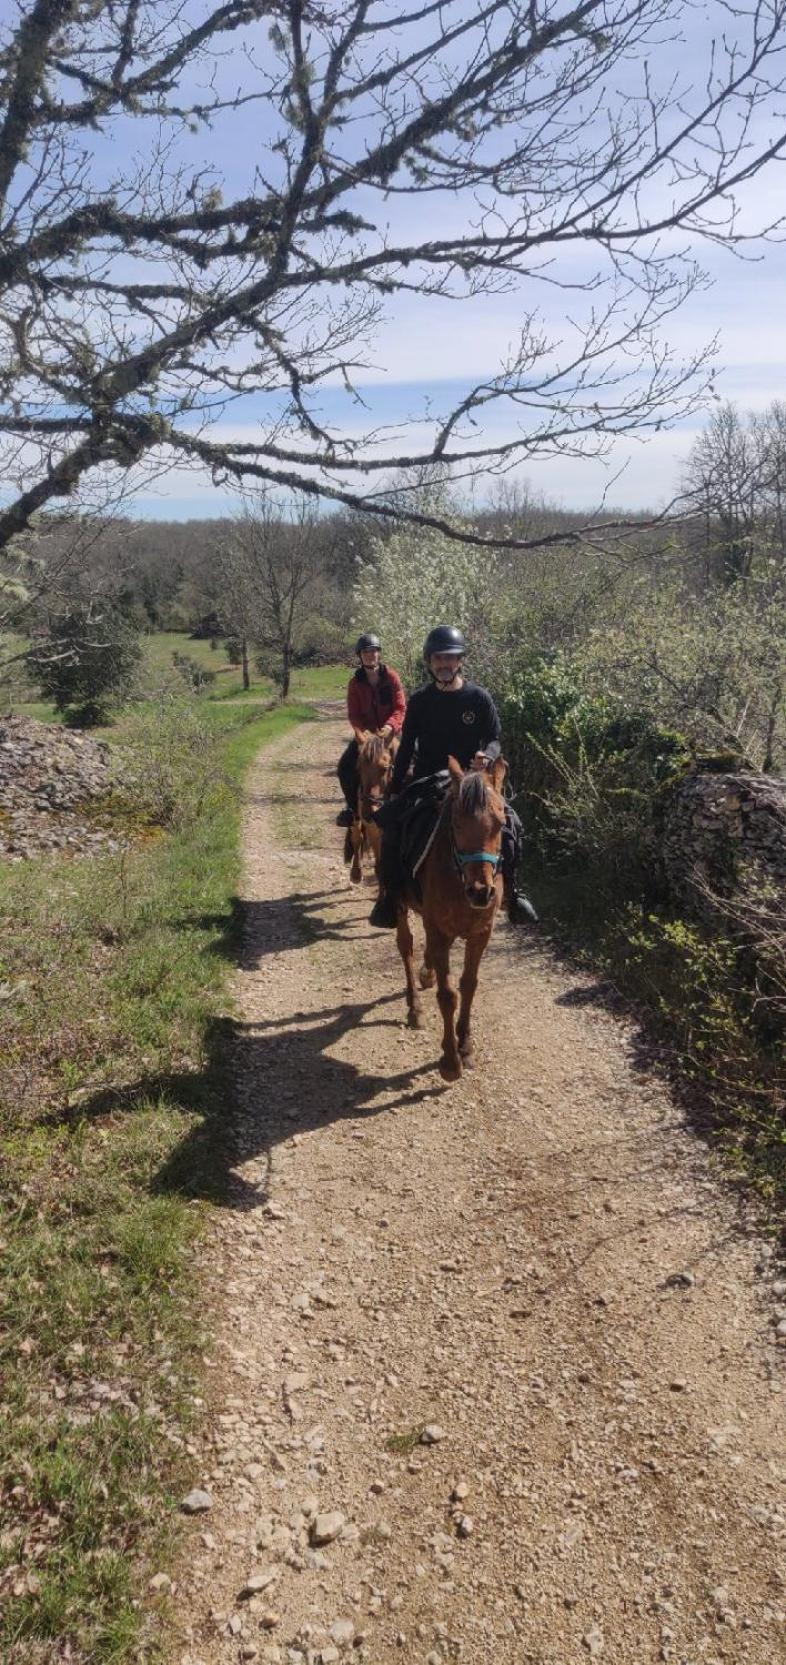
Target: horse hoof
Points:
(355, 878)
(414, 1018)
(468, 1059)
(450, 1071)
(426, 977)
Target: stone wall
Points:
(723, 832)
(51, 782)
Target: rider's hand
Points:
(479, 761)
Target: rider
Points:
(376, 702)
(448, 717)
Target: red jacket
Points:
(380, 707)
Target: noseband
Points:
(466, 858)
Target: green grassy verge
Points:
(112, 1125)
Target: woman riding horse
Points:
(376, 703)
(449, 717)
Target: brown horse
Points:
(375, 769)
(461, 886)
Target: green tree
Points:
(87, 662)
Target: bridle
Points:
(466, 858)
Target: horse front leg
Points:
(374, 844)
(473, 954)
(356, 833)
(438, 956)
(405, 943)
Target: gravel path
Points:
(496, 1376)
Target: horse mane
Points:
(472, 794)
(374, 748)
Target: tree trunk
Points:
(286, 670)
(244, 661)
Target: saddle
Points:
(410, 820)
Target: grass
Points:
(403, 1445)
(308, 682)
(112, 1132)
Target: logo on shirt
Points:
(468, 716)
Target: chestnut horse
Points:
(461, 885)
(375, 769)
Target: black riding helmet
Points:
(367, 642)
(444, 638)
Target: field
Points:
(318, 682)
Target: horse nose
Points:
(479, 894)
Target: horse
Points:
(375, 769)
(461, 890)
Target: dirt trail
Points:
(538, 1262)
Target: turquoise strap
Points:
(464, 857)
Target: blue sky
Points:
(428, 352)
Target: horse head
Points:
(477, 817)
(375, 769)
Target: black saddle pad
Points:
(410, 819)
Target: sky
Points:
(420, 351)
(429, 352)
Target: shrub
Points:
(166, 760)
(87, 662)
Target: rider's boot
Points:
(346, 817)
(519, 908)
(384, 913)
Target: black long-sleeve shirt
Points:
(440, 725)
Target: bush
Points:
(196, 675)
(587, 773)
(167, 762)
(87, 662)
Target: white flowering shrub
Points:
(417, 578)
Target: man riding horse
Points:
(449, 717)
(376, 703)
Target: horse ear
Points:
(456, 771)
(498, 771)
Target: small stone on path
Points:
(197, 1502)
(325, 1528)
(432, 1434)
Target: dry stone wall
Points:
(724, 833)
(51, 784)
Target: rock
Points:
(329, 1655)
(270, 1619)
(197, 1502)
(432, 1434)
(342, 1632)
(325, 1528)
(678, 1384)
(49, 778)
(779, 1288)
(679, 1280)
(459, 1492)
(593, 1641)
(780, 1328)
(296, 1382)
(159, 1583)
(259, 1581)
(465, 1526)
